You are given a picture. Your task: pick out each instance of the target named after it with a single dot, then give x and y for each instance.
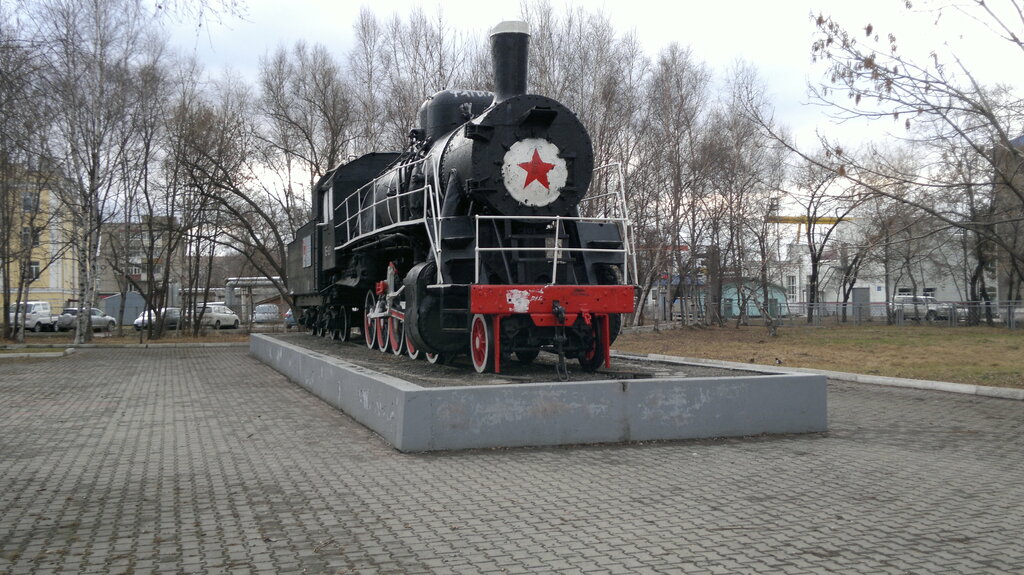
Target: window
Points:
(30, 202)
(33, 271)
(29, 237)
(791, 294)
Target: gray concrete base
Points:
(414, 418)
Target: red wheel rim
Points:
(382, 334)
(478, 345)
(411, 349)
(396, 333)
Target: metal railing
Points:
(613, 207)
(358, 220)
(943, 314)
(349, 230)
(555, 250)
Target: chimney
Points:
(510, 50)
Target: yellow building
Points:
(36, 242)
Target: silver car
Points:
(171, 317)
(217, 316)
(100, 320)
(266, 313)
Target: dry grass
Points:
(973, 355)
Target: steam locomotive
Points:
(471, 239)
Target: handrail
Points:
(557, 249)
(349, 229)
(623, 216)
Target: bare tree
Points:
(95, 47)
(757, 173)
(368, 66)
(672, 216)
(948, 114)
(825, 199)
(25, 172)
(217, 154)
(308, 115)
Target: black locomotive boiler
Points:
(471, 240)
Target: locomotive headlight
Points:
(533, 172)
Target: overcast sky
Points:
(774, 35)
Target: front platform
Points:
(417, 418)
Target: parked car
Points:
(171, 316)
(289, 319)
(918, 307)
(34, 315)
(67, 318)
(266, 313)
(217, 316)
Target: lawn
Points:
(974, 355)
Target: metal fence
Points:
(950, 314)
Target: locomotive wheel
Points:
(396, 332)
(382, 334)
(341, 326)
(481, 344)
(369, 329)
(526, 357)
(345, 331)
(411, 349)
(592, 358)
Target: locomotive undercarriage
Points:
(389, 290)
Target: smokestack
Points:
(510, 51)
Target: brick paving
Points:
(202, 460)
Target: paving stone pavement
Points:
(203, 460)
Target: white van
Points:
(35, 315)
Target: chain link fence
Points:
(951, 314)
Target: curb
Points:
(963, 388)
(39, 355)
(158, 345)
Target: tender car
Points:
(171, 316)
(266, 313)
(217, 317)
(100, 321)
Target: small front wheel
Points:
(481, 344)
(592, 358)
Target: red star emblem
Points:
(537, 170)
